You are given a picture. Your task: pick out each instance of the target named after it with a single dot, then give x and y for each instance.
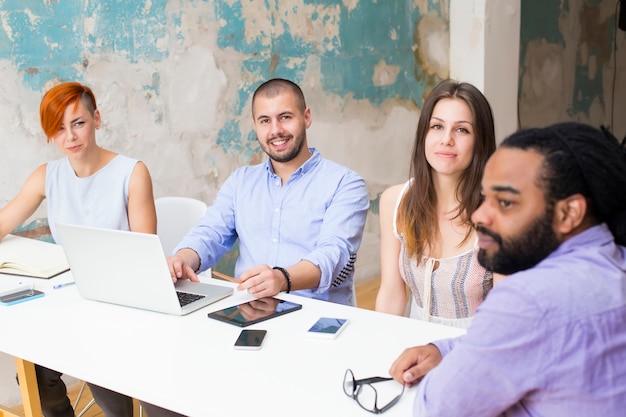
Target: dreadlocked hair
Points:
(580, 159)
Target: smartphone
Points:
(250, 339)
(328, 327)
(18, 297)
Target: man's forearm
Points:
(190, 257)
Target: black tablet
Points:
(255, 311)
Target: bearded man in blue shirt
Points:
(299, 217)
(550, 339)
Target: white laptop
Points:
(130, 269)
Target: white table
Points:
(188, 363)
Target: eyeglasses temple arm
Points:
(371, 380)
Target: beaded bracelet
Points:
(287, 277)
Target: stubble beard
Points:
(298, 141)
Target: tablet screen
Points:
(255, 311)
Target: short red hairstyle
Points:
(56, 100)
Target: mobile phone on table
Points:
(20, 296)
(328, 327)
(250, 339)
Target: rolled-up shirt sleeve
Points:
(341, 232)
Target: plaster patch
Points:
(543, 83)
(433, 51)
(195, 64)
(31, 17)
(319, 25)
(385, 74)
(425, 6)
(339, 110)
(382, 159)
(584, 31)
(23, 143)
(51, 44)
(546, 62)
(147, 6)
(4, 17)
(295, 62)
(260, 23)
(350, 4)
(194, 26)
(89, 25)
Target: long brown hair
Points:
(417, 214)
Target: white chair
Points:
(175, 216)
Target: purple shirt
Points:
(548, 341)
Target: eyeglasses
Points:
(365, 394)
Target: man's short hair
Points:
(277, 86)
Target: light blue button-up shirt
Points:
(318, 215)
(548, 341)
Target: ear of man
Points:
(571, 216)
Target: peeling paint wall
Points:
(174, 80)
(572, 64)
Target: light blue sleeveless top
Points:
(100, 200)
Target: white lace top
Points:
(445, 290)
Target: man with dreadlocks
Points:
(550, 339)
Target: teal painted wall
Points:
(573, 65)
(174, 79)
(54, 40)
(46, 42)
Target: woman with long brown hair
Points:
(428, 242)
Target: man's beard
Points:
(298, 141)
(523, 251)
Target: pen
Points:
(63, 285)
(224, 277)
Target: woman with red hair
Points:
(89, 186)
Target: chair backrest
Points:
(175, 216)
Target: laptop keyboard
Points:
(185, 298)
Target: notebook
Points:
(31, 258)
(129, 269)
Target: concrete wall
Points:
(572, 64)
(484, 50)
(174, 81)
